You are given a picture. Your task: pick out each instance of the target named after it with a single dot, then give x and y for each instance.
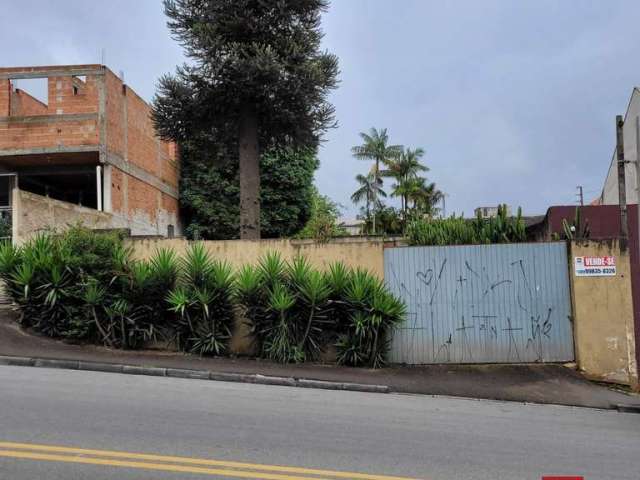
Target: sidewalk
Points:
(547, 383)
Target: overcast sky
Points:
(513, 101)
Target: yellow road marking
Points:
(13, 450)
(165, 467)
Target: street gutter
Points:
(233, 377)
(190, 374)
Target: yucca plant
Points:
(280, 339)
(56, 292)
(125, 326)
(195, 265)
(272, 269)
(287, 308)
(203, 302)
(94, 297)
(314, 293)
(311, 291)
(374, 313)
(147, 284)
(180, 302)
(38, 284)
(338, 278)
(10, 258)
(21, 285)
(251, 296)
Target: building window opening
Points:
(75, 185)
(29, 96)
(79, 85)
(7, 182)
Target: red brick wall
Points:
(143, 198)
(141, 148)
(5, 95)
(42, 135)
(169, 204)
(117, 190)
(62, 99)
(22, 135)
(23, 104)
(115, 114)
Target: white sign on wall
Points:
(595, 266)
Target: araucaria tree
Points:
(257, 78)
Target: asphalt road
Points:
(281, 433)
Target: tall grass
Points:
(461, 231)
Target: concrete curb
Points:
(621, 407)
(191, 374)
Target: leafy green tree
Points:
(256, 79)
(323, 223)
(375, 147)
(369, 191)
(210, 192)
(389, 220)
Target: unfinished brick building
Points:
(89, 153)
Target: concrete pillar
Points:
(106, 188)
(99, 188)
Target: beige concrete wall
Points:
(353, 252)
(34, 213)
(603, 317)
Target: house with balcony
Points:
(88, 153)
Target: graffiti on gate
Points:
(476, 299)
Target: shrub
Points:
(75, 285)
(323, 223)
(84, 285)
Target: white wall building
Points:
(631, 133)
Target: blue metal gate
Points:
(482, 303)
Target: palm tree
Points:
(369, 192)
(402, 170)
(424, 196)
(374, 147)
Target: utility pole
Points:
(622, 186)
(580, 195)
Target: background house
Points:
(352, 226)
(489, 212)
(631, 133)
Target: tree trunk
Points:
(368, 216)
(375, 195)
(249, 174)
